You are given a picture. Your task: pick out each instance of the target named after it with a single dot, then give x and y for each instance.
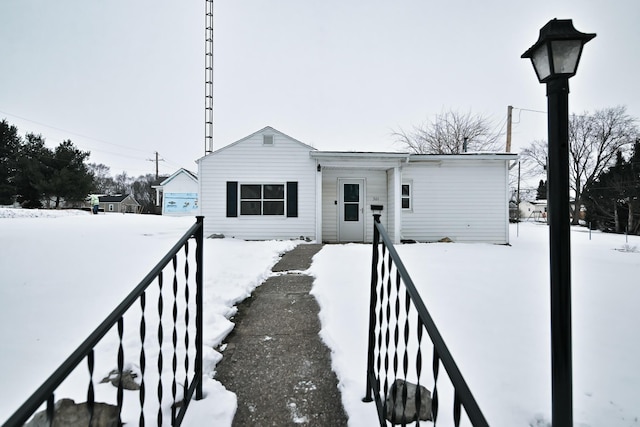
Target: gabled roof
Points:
(266, 128)
(190, 174)
(116, 199)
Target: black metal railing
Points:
(398, 349)
(175, 385)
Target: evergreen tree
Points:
(9, 145)
(613, 200)
(70, 179)
(541, 192)
(34, 171)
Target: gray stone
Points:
(67, 413)
(399, 412)
(128, 382)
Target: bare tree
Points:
(535, 156)
(102, 181)
(533, 160)
(594, 140)
(123, 183)
(447, 132)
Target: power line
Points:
(72, 133)
(92, 150)
(540, 112)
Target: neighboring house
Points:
(533, 211)
(271, 186)
(119, 203)
(178, 194)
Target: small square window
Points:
(267, 139)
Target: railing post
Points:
(199, 298)
(372, 306)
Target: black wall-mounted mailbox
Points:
(376, 207)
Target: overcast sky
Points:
(125, 79)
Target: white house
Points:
(178, 194)
(533, 211)
(271, 186)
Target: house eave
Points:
(354, 159)
(465, 156)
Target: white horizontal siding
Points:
(465, 201)
(181, 184)
(249, 162)
(389, 212)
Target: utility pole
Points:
(509, 111)
(156, 160)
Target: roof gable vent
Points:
(267, 140)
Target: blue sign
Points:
(186, 203)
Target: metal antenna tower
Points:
(208, 78)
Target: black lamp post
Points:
(555, 58)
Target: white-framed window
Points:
(262, 199)
(110, 207)
(406, 196)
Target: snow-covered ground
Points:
(62, 272)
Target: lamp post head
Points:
(557, 52)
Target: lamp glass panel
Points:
(565, 55)
(540, 59)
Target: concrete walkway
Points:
(275, 361)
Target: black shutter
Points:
(292, 199)
(232, 199)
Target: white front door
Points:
(351, 210)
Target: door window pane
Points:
(351, 211)
(351, 192)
